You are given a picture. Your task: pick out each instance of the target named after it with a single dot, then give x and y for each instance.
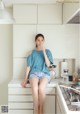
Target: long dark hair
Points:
(39, 35)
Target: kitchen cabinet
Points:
(25, 14)
(20, 99)
(58, 110)
(69, 10)
(50, 14)
(38, 14)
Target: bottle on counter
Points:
(65, 76)
(64, 70)
(75, 77)
(64, 67)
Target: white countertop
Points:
(17, 83)
(54, 83)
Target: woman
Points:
(38, 73)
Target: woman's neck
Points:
(38, 48)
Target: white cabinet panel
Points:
(25, 14)
(25, 91)
(23, 39)
(19, 68)
(20, 112)
(20, 106)
(19, 91)
(20, 98)
(49, 105)
(50, 14)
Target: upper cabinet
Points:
(69, 12)
(25, 14)
(50, 14)
(38, 14)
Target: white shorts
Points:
(40, 75)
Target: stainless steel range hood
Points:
(75, 18)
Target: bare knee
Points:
(35, 90)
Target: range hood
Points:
(75, 18)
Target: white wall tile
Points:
(23, 39)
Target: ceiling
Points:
(9, 3)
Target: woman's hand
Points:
(42, 47)
(24, 82)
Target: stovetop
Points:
(71, 97)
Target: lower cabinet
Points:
(20, 100)
(49, 106)
(58, 110)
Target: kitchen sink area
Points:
(71, 97)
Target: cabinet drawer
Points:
(50, 90)
(26, 91)
(20, 98)
(20, 106)
(20, 112)
(19, 91)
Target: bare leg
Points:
(34, 85)
(42, 86)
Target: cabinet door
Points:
(20, 98)
(49, 105)
(25, 14)
(50, 14)
(20, 105)
(58, 110)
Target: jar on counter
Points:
(75, 77)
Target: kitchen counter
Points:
(54, 83)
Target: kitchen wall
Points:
(63, 40)
(6, 54)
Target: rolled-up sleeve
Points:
(50, 57)
(29, 61)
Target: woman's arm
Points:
(24, 82)
(27, 72)
(46, 58)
